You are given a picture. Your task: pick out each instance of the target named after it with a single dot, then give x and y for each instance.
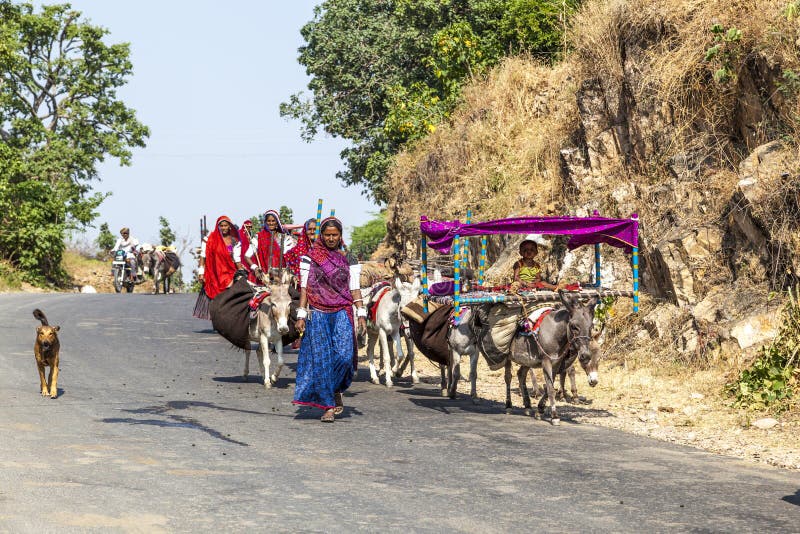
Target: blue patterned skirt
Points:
(325, 362)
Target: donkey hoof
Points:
(445, 393)
(389, 384)
(414, 379)
(273, 380)
(555, 422)
(476, 400)
(508, 410)
(376, 381)
(267, 384)
(527, 412)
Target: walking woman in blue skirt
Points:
(329, 287)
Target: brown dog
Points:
(46, 351)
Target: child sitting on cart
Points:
(527, 271)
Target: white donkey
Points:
(387, 325)
(268, 326)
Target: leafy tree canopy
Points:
(385, 72)
(105, 240)
(286, 214)
(59, 117)
(166, 234)
(365, 239)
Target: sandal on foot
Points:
(339, 404)
(328, 416)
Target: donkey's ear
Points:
(285, 277)
(57, 328)
(415, 285)
(567, 301)
(397, 283)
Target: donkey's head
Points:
(408, 292)
(280, 302)
(579, 333)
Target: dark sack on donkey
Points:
(430, 335)
(230, 313)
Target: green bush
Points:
(771, 380)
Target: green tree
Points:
(385, 72)
(365, 239)
(165, 233)
(105, 240)
(286, 214)
(59, 117)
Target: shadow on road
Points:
(793, 499)
(181, 421)
(432, 400)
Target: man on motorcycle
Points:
(129, 245)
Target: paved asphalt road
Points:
(154, 430)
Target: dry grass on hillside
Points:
(493, 158)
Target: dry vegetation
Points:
(677, 132)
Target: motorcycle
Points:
(121, 272)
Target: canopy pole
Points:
(466, 242)
(456, 277)
(635, 263)
(598, 282)
(482, 263)
(319, 215)
(424, 272)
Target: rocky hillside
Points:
(683, 112)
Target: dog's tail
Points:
(39, 314)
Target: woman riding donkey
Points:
(223, 253)
(265, 252)
(328, 353)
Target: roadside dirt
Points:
(663, 404)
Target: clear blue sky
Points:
(208, 80)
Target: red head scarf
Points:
(302, 247)
(219, 262)
(269, 244)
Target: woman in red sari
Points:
(265, 253)
(302, 247)
(223, 257)
(245, 237)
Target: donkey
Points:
(563, 336)
(462, 340)
(590, 367)
(162, 266)
(270, 323)
(388, 321)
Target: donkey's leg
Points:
(561, 393)
(384, 339)
(573, 387)
(473, 374)
(246, 363)
(522, 378)
(372, 338)
(455, 374)
(549, 382)
(398, 357)
(404, 356)
(508, 385)
(263, 360)
(410, 349)
(273, 378)
(444, 370)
